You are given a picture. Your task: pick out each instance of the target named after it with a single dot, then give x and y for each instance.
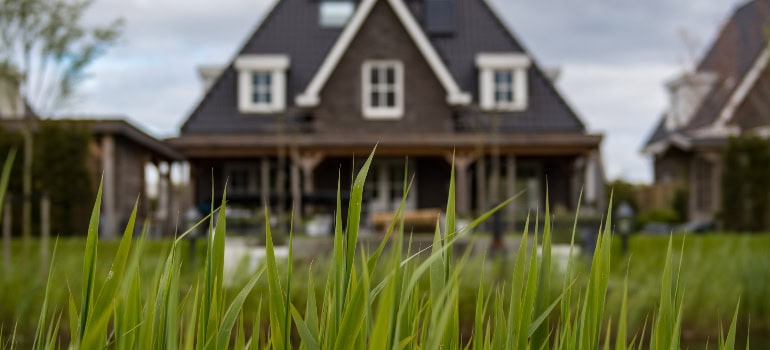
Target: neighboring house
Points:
(321, 82)
(119, 156)
(727, 95)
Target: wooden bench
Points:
(422, 220)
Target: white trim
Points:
(518, 64)
(502, 60)
(395, 112)
(662, 145)
(310, 97)
(276, 66)
(743, 89)
(262, 62)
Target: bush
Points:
(668, 216)
(60, 170)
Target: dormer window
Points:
(503, 82)
(383, 89)
(335, 13)
(262, 83)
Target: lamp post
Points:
(626, 215)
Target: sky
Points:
(615, 56)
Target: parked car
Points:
(699, 227)
(658, 228)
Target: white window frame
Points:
(276, 66)
(518, 64)
(382, 112)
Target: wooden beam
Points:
(108, 188)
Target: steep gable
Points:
(290, 28)
(737, 50)
(383, 37)
(481, 30)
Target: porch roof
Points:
(245, 145)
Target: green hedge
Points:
(60, 170)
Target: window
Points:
(503, 81)
(383, 90)
(242, 178)
(335, 14)
(503, 87)
(262, 88)
(261, 83)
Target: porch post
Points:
(481, 185)
(296, 195)
(306, 163)
(108, 190)
(264, 186)
(169, 190)
(164, 190)
(510, 185)
(462, 162)
(591, 190)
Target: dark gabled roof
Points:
(108, 126)
(737, 47)
(291, 28)
(659, 133)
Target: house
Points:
(319, 83)
(119, 154)
(725, 96)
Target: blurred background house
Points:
(726, 96)
(319, 83)
(72, 155)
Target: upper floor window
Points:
(383, 89)
(262, 88)
(503, 82)
(335, 13)
(262, 83)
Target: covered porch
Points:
(303, 176)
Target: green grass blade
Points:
(89, 265)
(306, 334)
(228, 321)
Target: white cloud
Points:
(622, 101)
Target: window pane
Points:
(334, 14)
(267, 97)
(267, 78)
(375, 102)
(391, 76)
(503, 77)
(509, 96)
(391, 99)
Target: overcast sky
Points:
(615, 56)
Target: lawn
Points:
(717, 269)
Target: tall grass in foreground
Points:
(397, 312)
